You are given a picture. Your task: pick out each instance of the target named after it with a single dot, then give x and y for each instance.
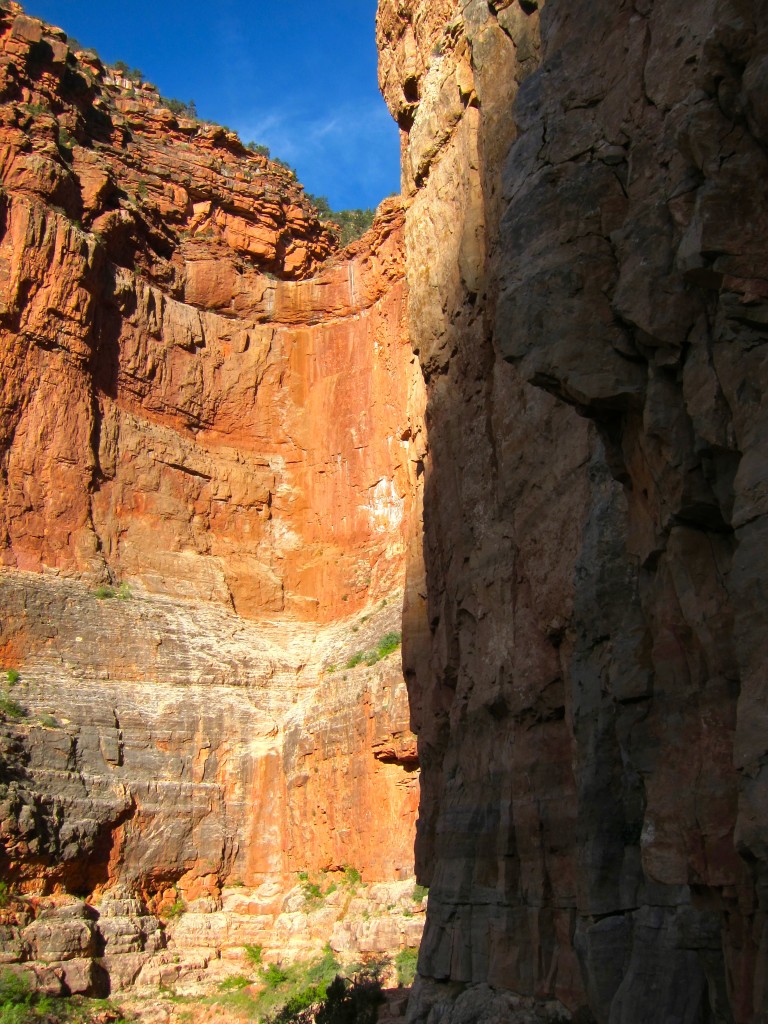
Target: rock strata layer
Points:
(585, 239)
(209, 447)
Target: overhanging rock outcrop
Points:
(586, 259)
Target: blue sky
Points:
(299, 78)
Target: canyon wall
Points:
(584, 624)
(209, 447)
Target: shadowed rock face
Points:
(209, 413)
(587, 268)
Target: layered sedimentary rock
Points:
(207, 462)
(586, 259)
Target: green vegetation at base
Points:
(254, 954)
(405, 963)
(286, 989)
(352, 877)
(235, 983)
(106, 591)
(388, 643)
(19, 1004)
(419, 892)
(345, 1001)
(176, 909)
(11, 708)
(316, 890)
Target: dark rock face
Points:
(589, 299)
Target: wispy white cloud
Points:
(347, 154)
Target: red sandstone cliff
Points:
(585, 240)
(205, 409)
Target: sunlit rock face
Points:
(209, 462)
(585, 238)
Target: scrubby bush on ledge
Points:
(388, 643)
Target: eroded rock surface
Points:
(586, 260)
(208, 455)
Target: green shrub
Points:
(351, 1002)
(20, 1005)
(180, 108)
(255, 147)
(5, 894)
(273, 975)
(321, 971)
(11, 708)
(106, 591)
(405, 964)
(14, 989)
(314, 892)
(13, 676)
(235, 983)
(352, 876)
(254, 954)
(321, 205)
(388, 643)
(352, 224)
(289, 990)
(49, 721)
(176, 909)
(419, 892)
(125, 72)
(286, 166)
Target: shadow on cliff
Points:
(569, 649)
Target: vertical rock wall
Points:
(207, 466)
(586, 261)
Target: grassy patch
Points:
(20, 1005)
(176, 909)
(295, 986)
(346, 1001)
(386, 645)
(405, 963)
(13, 676)
(419, 892)
(315, 892)
(254, 954)
(352, 877)
(11, 708)
(235, 983)
(106, 591)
